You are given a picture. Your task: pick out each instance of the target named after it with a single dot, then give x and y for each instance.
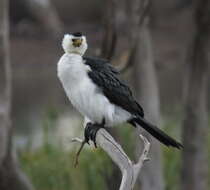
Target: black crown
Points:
(77, 34)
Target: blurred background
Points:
(162, 50)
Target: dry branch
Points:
(129, 170)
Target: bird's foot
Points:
(90, 134)
(91, 131)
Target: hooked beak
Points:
(77, 42)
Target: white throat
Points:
(71, 69)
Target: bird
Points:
(95, 89)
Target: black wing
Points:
(105, 77)
(98, 65)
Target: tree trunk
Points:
(121, 24)
(146, 86)
(110, 33)
(195, 125)
(5, 80)
(11, 178)
(45, 13)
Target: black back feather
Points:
(105, 77)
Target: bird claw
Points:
(90, 134)
(91, 131)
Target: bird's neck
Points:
(73, 58)
(74, 54)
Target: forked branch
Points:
(129, 170)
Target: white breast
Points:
(84, 94)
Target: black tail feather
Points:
(157, 133)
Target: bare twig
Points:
(129, 170)
(76, 139)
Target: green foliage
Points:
(172, 157)
(171, 169)
(48, 168)
(127, 139)
(51, 168)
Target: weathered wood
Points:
(129, 170)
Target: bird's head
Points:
(74, 43)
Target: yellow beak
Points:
(77, 42)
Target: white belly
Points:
(86, 97)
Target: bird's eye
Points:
(73, 40)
